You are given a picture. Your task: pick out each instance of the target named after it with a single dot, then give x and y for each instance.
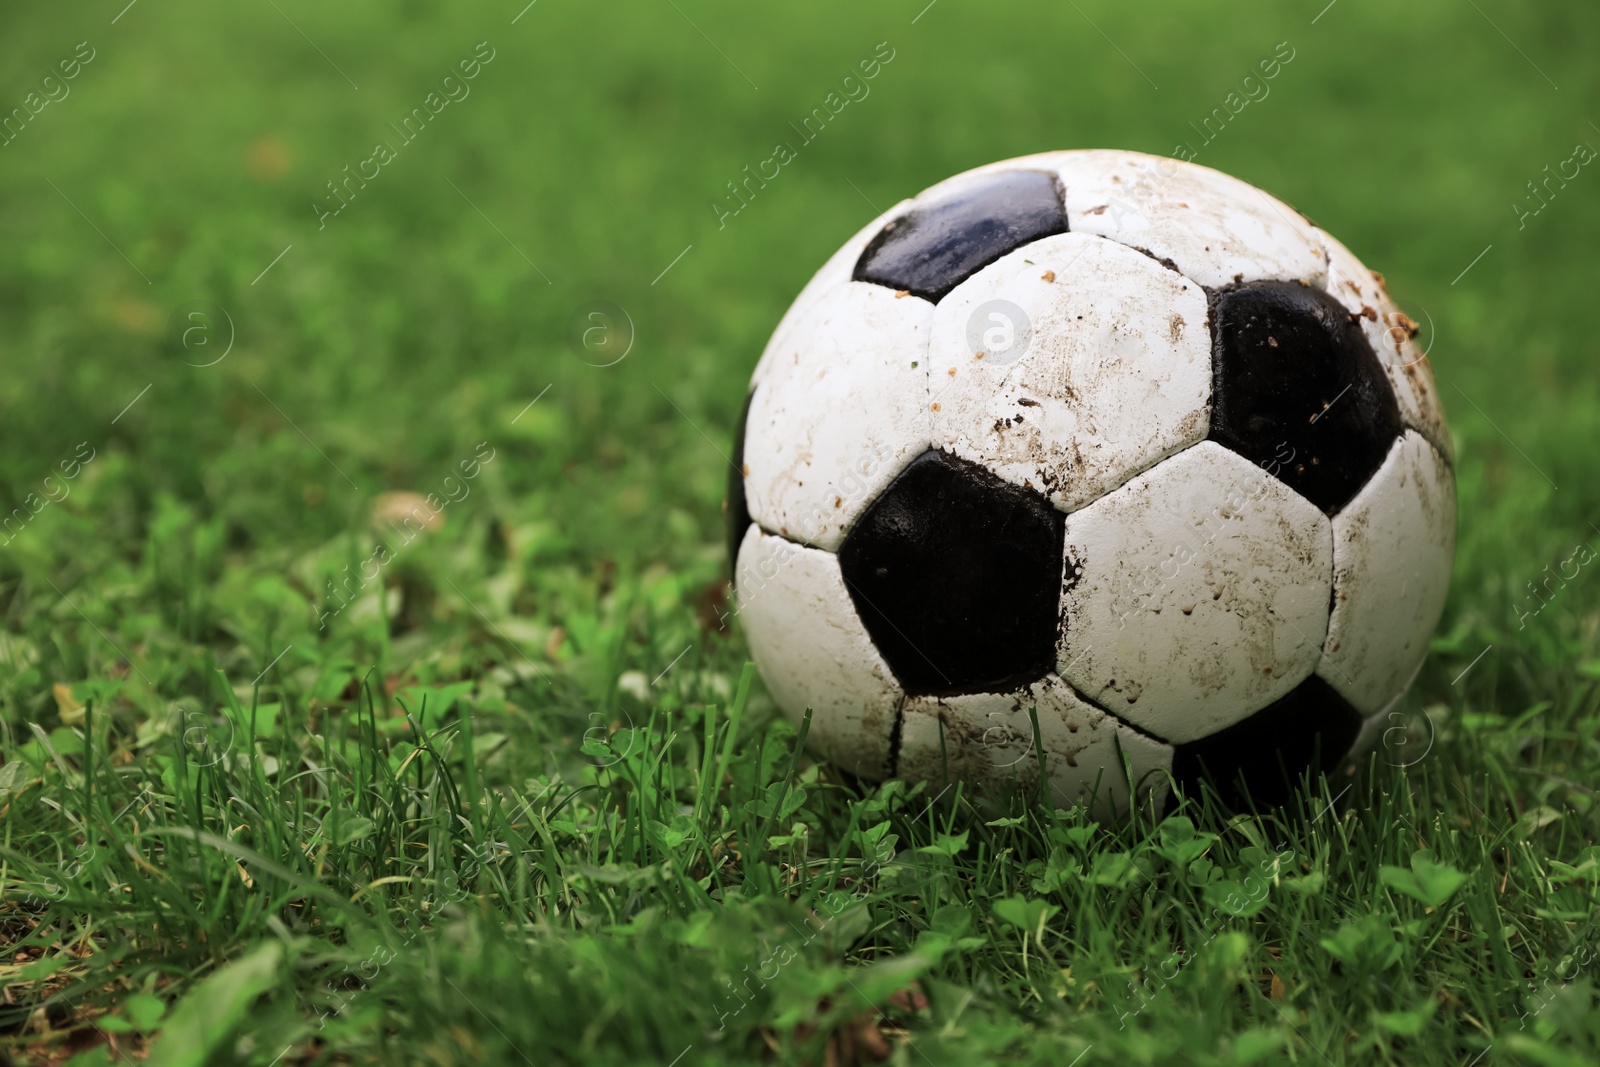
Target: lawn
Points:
(291, 777)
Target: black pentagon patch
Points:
(956, 576)
(1297, 389)
(937, 245)
(1311, 727)
(738, 511)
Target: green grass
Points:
(515, 798)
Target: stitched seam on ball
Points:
(895, 734)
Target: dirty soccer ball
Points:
(1098, 464)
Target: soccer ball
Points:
(1095, 465)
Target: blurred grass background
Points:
(595, 141)
(380, 350)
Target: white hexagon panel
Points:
(1195, 595)
(987, 739)
(814, 653)
(836, 271)
(1392, 547)
(860, 354)
(1070, 365)
(1215, 229)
